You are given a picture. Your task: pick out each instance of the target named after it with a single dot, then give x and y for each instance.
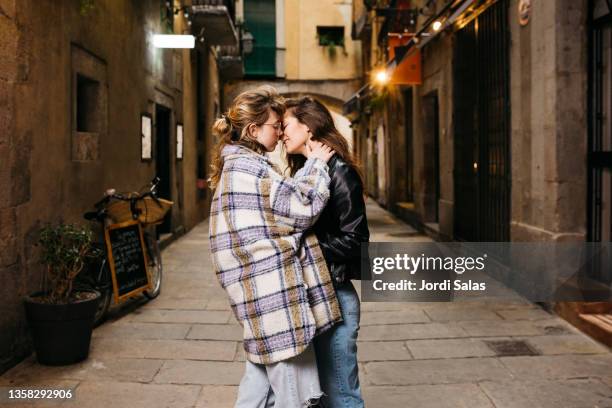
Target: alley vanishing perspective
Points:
(183, 349)
(480, 121)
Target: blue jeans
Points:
(292, 383)
(336, 351)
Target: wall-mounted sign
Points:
(179, 141)
(146, 127)
(524, 12)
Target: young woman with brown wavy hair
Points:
(272, 269)
(341, 230)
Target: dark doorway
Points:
(600, 132)
(432, 156)
(481, 128)
(409, 160)
(163, 161)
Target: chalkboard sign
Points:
(127, 259)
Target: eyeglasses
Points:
(277, 126)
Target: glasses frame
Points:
(278, 126)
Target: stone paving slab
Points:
(393, 317)
(164, 349)
(607, 381)
(240, 354)
(513, 327)
(427, 396)
(164, 302)
(578, 393)
(179, 316)
(134, 395)
(134, 330)
(100, 369)
(218, 304)
(566, 344)
(455, 313)
(412, 331)
(448, 348)
(229, 332)
(387, 306)
(200, 372)
(559, 367)
(382, 351)
(524, 314)
(435, 371)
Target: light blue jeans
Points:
(292, 383)
(336, 352)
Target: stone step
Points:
(599, 325)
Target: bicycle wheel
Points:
(96, 276)
(155, 265)
(106, 296)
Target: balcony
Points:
(230, 62)
(215, 20)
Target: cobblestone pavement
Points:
(183, 349)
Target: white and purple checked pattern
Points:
(266, 259)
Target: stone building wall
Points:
(53, 166)
(549, 122)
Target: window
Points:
(330, 35)
(87, 104)
(260, 20)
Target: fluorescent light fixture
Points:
(173, 41)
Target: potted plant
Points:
(60, 317)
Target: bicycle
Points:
(148, 210)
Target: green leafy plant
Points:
(65, 249)
(331, 43)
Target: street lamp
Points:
(381, 76)
(247, 42)
(437, 25)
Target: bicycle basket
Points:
(151, 211)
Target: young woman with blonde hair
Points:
(273, 271)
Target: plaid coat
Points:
(273, 271)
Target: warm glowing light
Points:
(173, 41)
(381, 76)
(437, 25)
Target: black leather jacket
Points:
(343, 225)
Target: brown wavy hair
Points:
(250, 107)
(316, 116)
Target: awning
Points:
(454, 9)
(449, 14)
